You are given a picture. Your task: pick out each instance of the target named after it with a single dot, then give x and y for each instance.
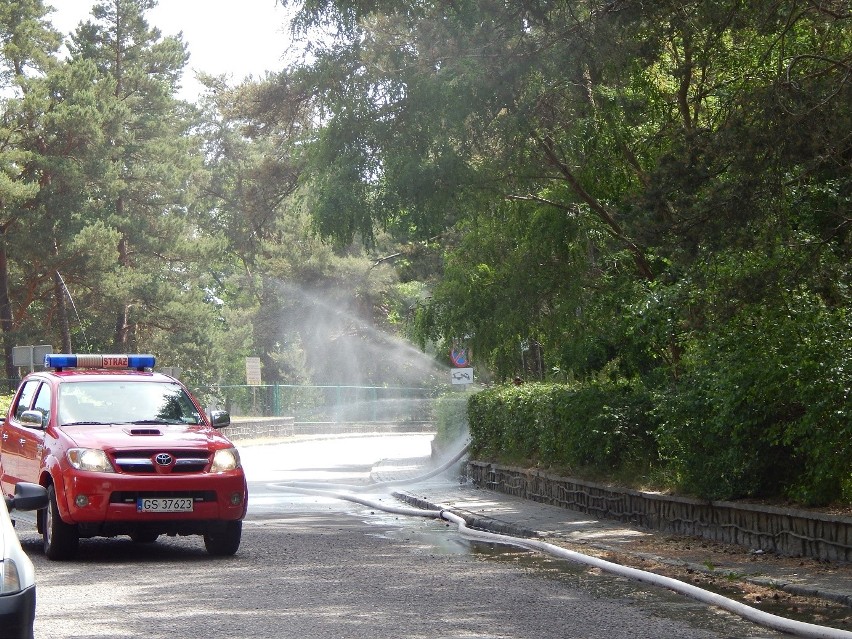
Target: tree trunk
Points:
(60, 294)
(122, 318)
(6, 308)
(121, 321)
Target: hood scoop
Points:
(144, 431)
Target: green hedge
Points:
(602, 427)
(762, 411)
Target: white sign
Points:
(30, 356)
(461, 375)
(253, 371)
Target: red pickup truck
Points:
(121, 450)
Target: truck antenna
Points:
(74, 306)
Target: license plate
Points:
(164, 505)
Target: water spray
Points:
(374, 486)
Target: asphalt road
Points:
(312, 567)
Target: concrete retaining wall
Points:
(795, 533)
(252, 428)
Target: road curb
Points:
(492, 525)
(480, 523)
(784, 531)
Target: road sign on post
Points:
(460, 356)
(253, 371)
(30, 356)
(461, 375)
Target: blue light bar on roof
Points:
(60, 361)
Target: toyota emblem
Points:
(163, 459)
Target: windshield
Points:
(122, 402)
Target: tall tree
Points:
(62, 122)
(151, 160)
(312, 307)
(27, 48)
(654, 191)
(661, 132)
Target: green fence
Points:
(324, 404)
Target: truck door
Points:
(13, 439)
(33, 438)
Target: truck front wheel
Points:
(61, 540)
(223, 539)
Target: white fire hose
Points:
(768, 620)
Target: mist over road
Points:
(316, 567)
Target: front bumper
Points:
(17, 614)
(101, 499)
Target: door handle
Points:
(22, 441)
(5, 436)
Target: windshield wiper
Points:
(151, 421)
(85, 423)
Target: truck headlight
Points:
(92, 459)
(224, 460)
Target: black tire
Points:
(223, 539)
(61, 540)
(144, 537)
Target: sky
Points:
(238, 38)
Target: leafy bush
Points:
(762, 410)
(5, 402)
(765, 410)
(601, 427)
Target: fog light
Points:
(82, 501)
(236, 499)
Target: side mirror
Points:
(27, 497)
(33, 419)
(220, 418)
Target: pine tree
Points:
(150, 160)
(27, 48)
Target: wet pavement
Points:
(695, 558)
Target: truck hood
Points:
(118, 436)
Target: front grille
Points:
(189, 464)
(143, 461)
(130, 496)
